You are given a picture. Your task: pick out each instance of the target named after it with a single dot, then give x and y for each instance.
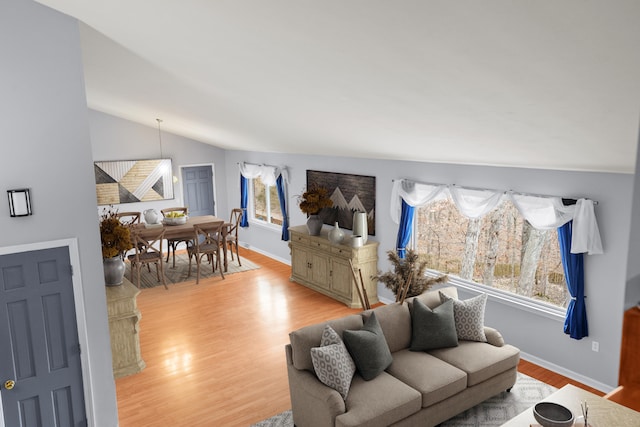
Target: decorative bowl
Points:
(550, 414)
(178, 220)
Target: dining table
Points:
(186, 230)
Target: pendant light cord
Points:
(160, 136)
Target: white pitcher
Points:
(151, 216)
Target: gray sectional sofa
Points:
(418, 388)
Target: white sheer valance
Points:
(268, 174)
(540, 211)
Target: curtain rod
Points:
(565, 200)
(261, 164)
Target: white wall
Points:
(44, 135)
(536, 335)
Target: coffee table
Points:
(602, 412)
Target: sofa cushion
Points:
(368, 348)
(395, 321)
(469, 315)
(435, 379)
(332, 363)
(432, 328)
(304, 339)
(381, 401)
(480, 361)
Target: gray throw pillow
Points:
(469, 317)
(369, 348)
(432, 329)
(332, 363)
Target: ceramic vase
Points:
(113, 271)
(314, 225)
(360, 227)
(336, 236)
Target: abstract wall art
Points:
(130, 181)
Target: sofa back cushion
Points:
(304, 339)
(432, 298)
(395, 321)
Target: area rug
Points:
(492, 412)
(181, 271)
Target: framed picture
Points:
(349, 193)
(130, 181)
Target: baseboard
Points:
(246, 245)
(605, 388)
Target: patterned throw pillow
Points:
(432, 329)
(369, 348)
(469, 317)
(332, 363)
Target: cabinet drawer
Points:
(345, 252)
(297, 238)
(320, 245)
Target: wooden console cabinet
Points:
(324, 267)
(123, 327)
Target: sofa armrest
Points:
(494, 337)
(312, 403)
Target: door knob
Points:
(9, 384)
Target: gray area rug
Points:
(492, 412)
(181, 272)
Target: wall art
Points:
(130, 181)
(349, 193)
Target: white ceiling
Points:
(549, 84)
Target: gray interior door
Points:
(197, 187)
(39, 347)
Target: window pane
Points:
(500, 250)
(274, 204)
(259, 200)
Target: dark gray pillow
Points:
(432, 329)
(368, 348)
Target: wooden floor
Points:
(215, 351)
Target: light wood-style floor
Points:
(215, 351)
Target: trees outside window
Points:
(500, 250)
(266, 205)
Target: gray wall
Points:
(632, 296)
(45, 146)
(113, 138)
(540, 337)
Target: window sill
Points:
(507, 298)
(265, 225)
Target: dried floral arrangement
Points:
(412, 265)
(115, 236)
(314, 199)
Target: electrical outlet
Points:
(595, 346)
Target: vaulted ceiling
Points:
(543, 84)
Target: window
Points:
(500, 250)
(266, 204)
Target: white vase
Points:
(360, 227)
(336, 236)
(113, 270)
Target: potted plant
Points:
(414, 266)
(116, 241)
(311, 202)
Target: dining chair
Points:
(205, 244)
(173, 243)
(231, 237)
(129, 218)
(148, 250)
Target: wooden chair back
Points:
(129, 218)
